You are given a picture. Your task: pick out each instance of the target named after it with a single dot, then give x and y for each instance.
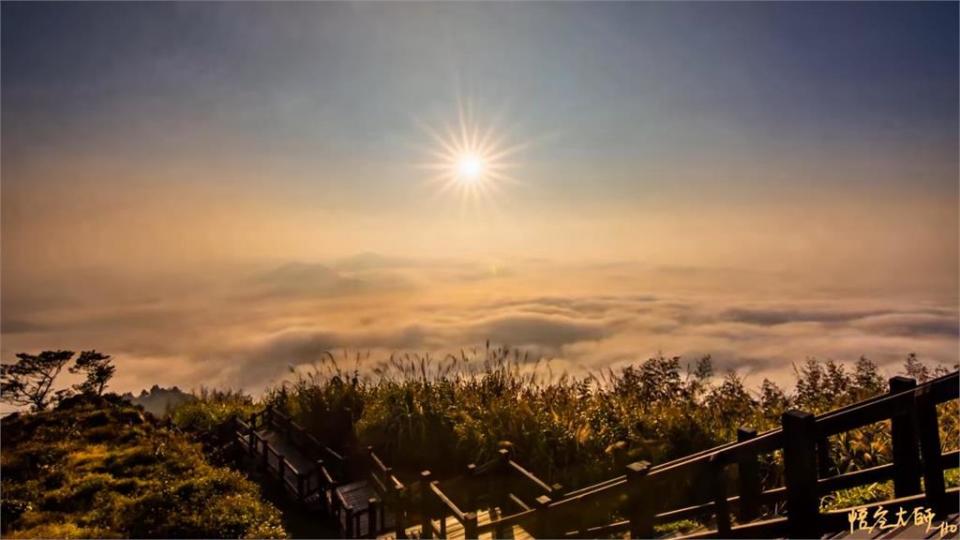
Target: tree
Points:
(99, 369)
(916, 369)
(29, 381)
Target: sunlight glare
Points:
(470, 167)
(469, 159)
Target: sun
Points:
(470, 158)
(469, 167)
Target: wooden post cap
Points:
(638, 468)
(794, 415)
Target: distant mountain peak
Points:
(159, 400)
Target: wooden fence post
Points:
(542, 523)
(399, 513)
(251, 443)
(470, 526)
(906, 451)
(281, 473)
(800, 472)
(426, 506)
(928, 427)
(348, 514)
(503, 474)
(640, 501)
(718, 478)
(325, 503)
(373, 514)
(321, 479)
(470, 497)
(825, 466)
(268, 417)
(441, 510)
(265, 462)
(748, 470)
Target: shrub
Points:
(93, 468)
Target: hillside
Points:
(99, 467)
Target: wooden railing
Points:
(803, 440)
(320, 479)
(737, 505)
(515, 491)
(387, 504)
(390, 498)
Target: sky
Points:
(214, 192)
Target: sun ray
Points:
(470, 158)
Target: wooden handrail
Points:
(950, 460)
(866, 414)
(377, 461)
(852, 416)
(856, 478)
(292, 468)
(380, 483)
(518, 501)
(530, 476)
(711, 461)
(326, 476)
(343, 501)
(770, 440)
(488, 466)
(454, 509)
(333, 453)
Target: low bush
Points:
(99, 468)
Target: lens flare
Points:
(470, 167)
(469, 158)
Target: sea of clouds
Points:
(248, 325)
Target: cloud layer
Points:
(247, 327)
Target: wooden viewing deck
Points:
(502, 499)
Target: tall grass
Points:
(422, 412)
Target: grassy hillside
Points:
(99, 467)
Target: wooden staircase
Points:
(502, 499)
(456, 531)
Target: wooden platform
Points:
(455, 530)
(357, 496)
(907, 532)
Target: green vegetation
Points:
(211, 409)
(99, 467)
(441, 415)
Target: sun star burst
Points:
(469, 158)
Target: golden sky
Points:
(213, 192)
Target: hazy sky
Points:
(688, 162)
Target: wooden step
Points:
(455, 529)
